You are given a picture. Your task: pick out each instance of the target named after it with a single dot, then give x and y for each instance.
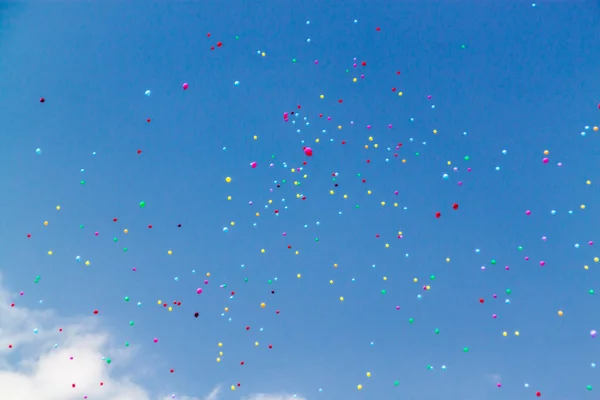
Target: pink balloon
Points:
(185, 86)
(308, 151)
(253, 164)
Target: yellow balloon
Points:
(359, 387)
(228, 179)
(263, 305)
(560, 313)
(45, 223)
(368, 374)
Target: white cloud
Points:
(34, 369)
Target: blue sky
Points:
(486, 90)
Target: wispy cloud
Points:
(270, 396)
(214, 394)
(493, 378)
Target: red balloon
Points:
(438, 214)
(308, 151)
(455, 206)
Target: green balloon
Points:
(142, 204)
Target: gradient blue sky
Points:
(512, 76)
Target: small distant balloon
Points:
(147, 93)
(185, 86)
